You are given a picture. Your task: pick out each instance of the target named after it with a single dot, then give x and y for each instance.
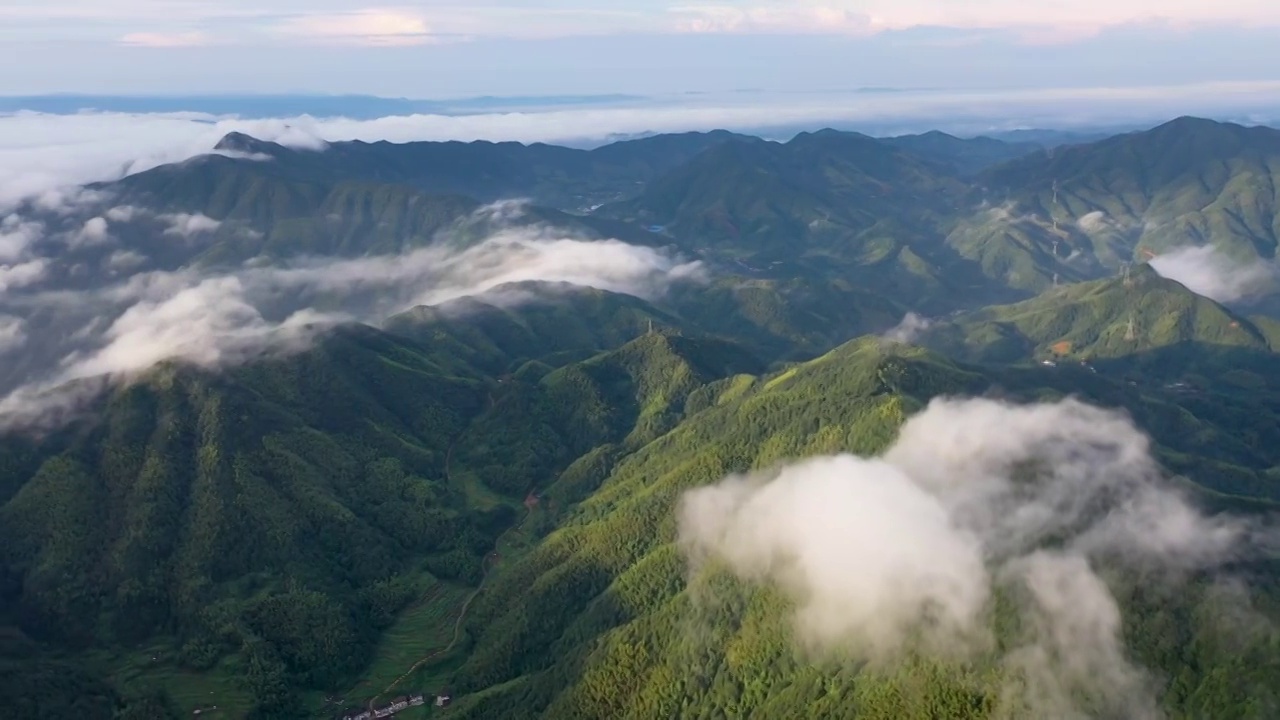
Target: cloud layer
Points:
(1206, 271)
(1068, 20)
(44, 156)
(977, 498)
(213, 320)
(345, 21)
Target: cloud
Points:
(1206, 271)
(166, 40)
(214, 320)
(379, 28)
(122, 213)
(17, 236)
(909, 330)
(1040, 22)
(22, 274)
(241, 18)
(122, 260)
(13, 333)
(93, 232)
(1094, 221)
(788, 18)
(210, 323)
(977, 498)
(187, 224)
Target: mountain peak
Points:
(241, 143)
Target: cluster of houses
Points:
(396, 706)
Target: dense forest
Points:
(489, 498)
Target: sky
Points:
(440, 48)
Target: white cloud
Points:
(220, 319)
(13, 333)
(909, 330)
(16, 236)
(187, 224)
(379, 28)
(1041, 21)
(166, 40)
(1207, 271)
(22, 274)
(1094, 221)
(169, 23)
(166, 23)
(779, 18)
(94, 232)
(122, 260)
(906, 552)
(122, 213)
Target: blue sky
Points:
(435, 49)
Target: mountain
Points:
(1056, 138)
(754, 193)
(539, 323)
(841, 206)
(723, 499)
(302, 203)
(549, 175)
(608, 590)
(966, 156)
(1102, 319)
(1083, 210)
(267, 523)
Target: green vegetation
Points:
(1104, 319)
(628, 637)
(480, 496)
(1081, 211)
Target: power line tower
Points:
(1128, 278)
(1131, 333)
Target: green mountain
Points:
(1083, 210)
(262, 210)
(258, 530)
(828, 205)
(545, 324)
(550, 175)
(607, 592)
(480, 498)
(964, 156)
(1102, 319)
(281, 513)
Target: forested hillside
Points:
(717, 427)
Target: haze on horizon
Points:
(433, 48)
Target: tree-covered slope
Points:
(826, 206)
(277, 515)
(552, 175)
(965, 156)
(1102, 319)
(602, 620)
(247, 209)
(1081, 210)
(551, 323)
(482, 497)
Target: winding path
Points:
(462, 616)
